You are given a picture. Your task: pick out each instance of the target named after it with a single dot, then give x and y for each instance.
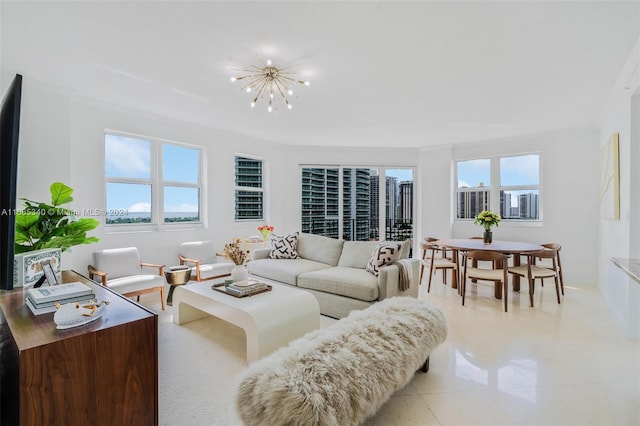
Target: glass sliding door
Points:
(358, 213)
(321, 201)
(399, 204)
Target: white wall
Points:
(621, 238)
(62, 139)
(569, 197)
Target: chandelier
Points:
(266, 81)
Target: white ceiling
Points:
(405, 74)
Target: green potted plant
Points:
(43, 226)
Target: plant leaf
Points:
(60, 193)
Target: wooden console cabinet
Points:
(102, 373)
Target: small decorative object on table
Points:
(75, 314)
(265, 230)
(487, 219)
(237, 255)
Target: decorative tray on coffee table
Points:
(222, 288)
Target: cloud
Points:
(141, 207)
(130, 158)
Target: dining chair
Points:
(533, 271)
(437, 260)
(497, 273)
(557, 247)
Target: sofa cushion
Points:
(350, 282)
(284, 247)
(385, 253)
(320, 248)
(356, 254)
(284, 270)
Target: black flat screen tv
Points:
(9, 133)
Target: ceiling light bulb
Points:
(289, 106)
(253, 104)
(248, 89)
(306, 83)
(290, 92)
(271, 95)
(270, 108)
(269, 62)
(233, 79)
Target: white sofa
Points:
(334, 272)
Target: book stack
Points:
(43, 300)
(246, 288)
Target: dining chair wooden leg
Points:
(421, 272)
(430, 275)
(505, 286)
(532, 283)
(462, 285)
(557, 288)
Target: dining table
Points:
(515, 248)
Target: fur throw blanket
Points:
(341, 375)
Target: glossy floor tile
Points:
(566, 364)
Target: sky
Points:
(127, 157)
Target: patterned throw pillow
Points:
(384, 254)
(284, 247)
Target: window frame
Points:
(157, 187)
(262, 189)
(496, 187)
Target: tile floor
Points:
(565, 364)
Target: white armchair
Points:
(121, 270)
(202, 258)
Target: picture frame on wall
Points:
(610, 179)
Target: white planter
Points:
(239, 273)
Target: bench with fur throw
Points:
(342, 374)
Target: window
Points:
(249, 189)
(151, 182)
(509, 185)
(345, 202)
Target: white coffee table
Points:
(270, 320)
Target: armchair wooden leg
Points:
(162, 296)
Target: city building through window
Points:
(345, 202)
(509, 185)
(249, 189)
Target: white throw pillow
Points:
(384, 254)
(284, 247)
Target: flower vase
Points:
(239, 273)
(487, 237)
(265, 235)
